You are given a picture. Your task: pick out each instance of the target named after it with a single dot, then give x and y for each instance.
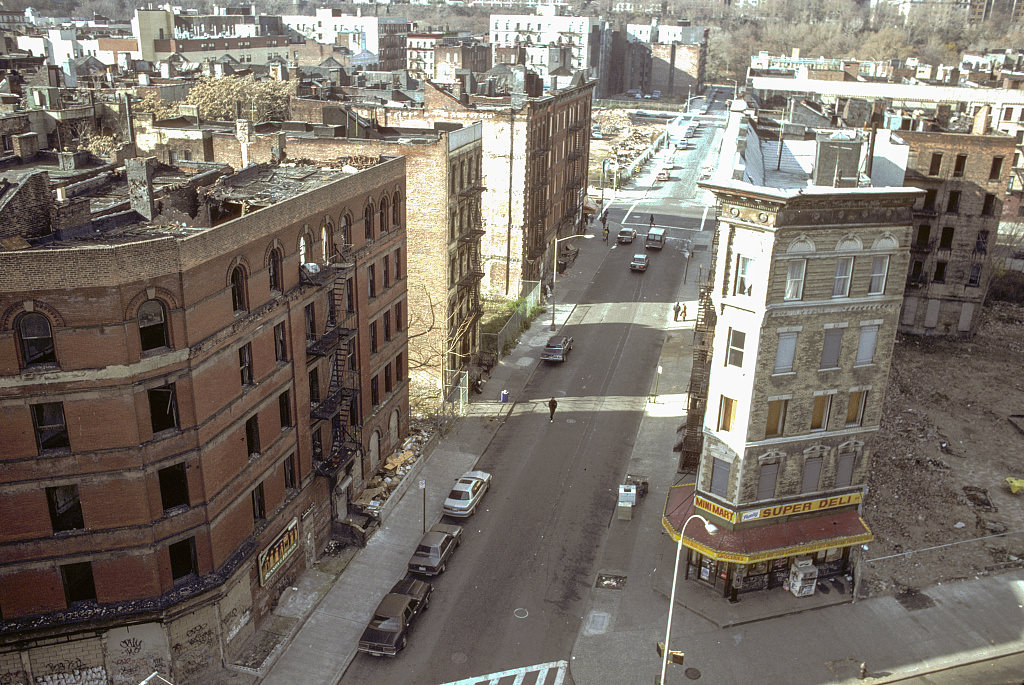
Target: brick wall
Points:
(26, 208)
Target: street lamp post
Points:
(609, 162)
(735, 87)
(554, 271)
(712, 529)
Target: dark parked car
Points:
(435, 548)
(557, 349)
(387, 632)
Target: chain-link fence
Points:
(502, 341)
(456, 399)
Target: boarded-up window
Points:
(866, 344)
(719, 477)
(820, 411)
(830, 348)
(727, 414)
(776, 418)
(812, 472)
(844, 469)
(766, 481)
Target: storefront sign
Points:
(714, 509)
(277, 552)
(800, 507)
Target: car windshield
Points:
(555, 342)
(423, 549)
(458, 494)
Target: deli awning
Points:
(589, 207)
(762, 543)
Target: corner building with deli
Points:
(797, 324)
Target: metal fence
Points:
(456, 399)
(517, 322)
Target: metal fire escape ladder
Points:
(703, 336)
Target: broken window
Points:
(350, 295)
(78, 583)
(284, 404)
(924, 232)
(274, 270)
(940, 272)
(929, 198)
(290, 480)
(726, 414)
(183, 559)
(152, 325)
(173, 486)
(280, 343)
(65, 508)
(387, 379)
(259, 506)
(996, 169)
(314, 386)
(245, 363)
(163, 408)
(975, 277)
(936, 164)
(317, 443)
(310, 317)
(373, 337)
(374, 392)
(239, 297)
(50, 428)
(368, 222)
(36, 340)
(252, 435)
(981, 242)
(953, 202)
(385, 271)
(371, 276)
(959, 165)
(387, 325)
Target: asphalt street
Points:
(514, 592)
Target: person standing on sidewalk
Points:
(552, 405)
(675, 311)
(684, 312)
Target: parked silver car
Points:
(466, 494)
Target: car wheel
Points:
(441, 568)
(401, 643)
(426, 604)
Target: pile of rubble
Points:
(396, 467)
(621, 138)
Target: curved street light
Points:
(712, 529)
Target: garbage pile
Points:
(395, 469)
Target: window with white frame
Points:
(879, 269)
(855, 409)
(866, 344)
(734, 353)
(785, 353)
(795, 270)
(743, 285)
(844, 272)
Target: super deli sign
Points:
(800, 507)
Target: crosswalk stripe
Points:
(520, 674)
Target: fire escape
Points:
(468, 285)
(340, 405)
(537, 222)
(703, 336)
(576, 173)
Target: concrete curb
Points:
(943, 664)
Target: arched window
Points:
(303, 250)
(36, 340)
(153, 325)
(274, 270)
(346, 230)
(396, 211)
(239, 298)
(368, 221)
(325, 244)
(383, 215)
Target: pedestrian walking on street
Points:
(675, 311)
(552, 405)
(684, 312)
(652, 221)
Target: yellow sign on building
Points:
(788, 509)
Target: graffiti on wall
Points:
(134, 652)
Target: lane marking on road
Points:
(539, 671)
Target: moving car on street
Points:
(626, 234)
(435, 548)
(386, 634)
(466, 494)
(557, 349)
(639, 262)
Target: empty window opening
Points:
(36, 340)
(173, 486)
(65, 508)
(259, 506)
(183, 559)
(51, 431)
(152, 325)
(78, 583)
(252, 435)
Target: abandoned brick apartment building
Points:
(443, 227)
(198, 369)
(792, 349)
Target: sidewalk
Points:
(771, 636)
(329, 612)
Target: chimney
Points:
(139, 172)
(980, 127)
